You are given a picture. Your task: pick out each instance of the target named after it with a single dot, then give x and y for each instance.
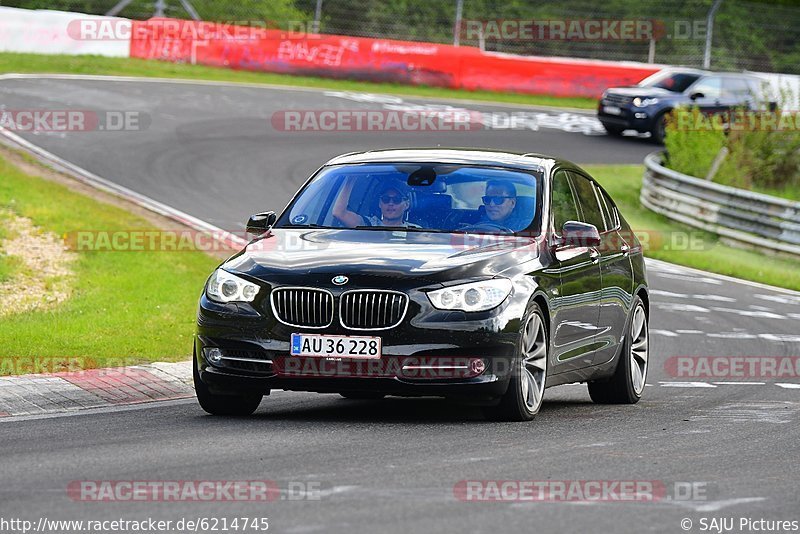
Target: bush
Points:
(761, 158)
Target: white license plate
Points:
(612, 110)
(364, 347)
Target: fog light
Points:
(214, 355)
(477, 366)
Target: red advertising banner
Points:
(406, 62)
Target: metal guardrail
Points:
(752, 219)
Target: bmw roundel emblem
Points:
(340, 279)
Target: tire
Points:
(659, 130)
(627, 383)
(523, 398)
(614, 131)
(362, 395)
(223, 404)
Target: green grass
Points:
(788, 193)
(37, 63)
(623, 183)
(127, 307)
(9, 265)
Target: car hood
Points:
(286, 254)
(644, 92)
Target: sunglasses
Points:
(392, 199)
(496, 200)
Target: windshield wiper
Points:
(310, 225)
(400, 228)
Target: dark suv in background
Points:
(643, 107)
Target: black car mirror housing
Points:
(579, 234)
(261, 222)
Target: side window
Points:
(591, 212)
(609, 210)
(737, 88)
(562, 202)
(710, 87)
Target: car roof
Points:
(467, 156)
(732, 75)
(687, 70)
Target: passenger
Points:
(393, 199)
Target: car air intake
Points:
(372, 309)
(303, 306)
(617, 99)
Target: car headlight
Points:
(644, 102)
(226, 287)
(474, 296)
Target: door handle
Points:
(625, 249)
(594, 256)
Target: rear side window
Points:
(709, 87)
(737, 88)
(563, 202)
(591, 212)
(609, 210)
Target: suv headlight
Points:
(474, 296)
(644, 102)
(226, 287)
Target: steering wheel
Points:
(487, 225)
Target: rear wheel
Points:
(627, 383)
(223, 404)
(523, 399)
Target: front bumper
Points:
(630, 118)
(431, 353)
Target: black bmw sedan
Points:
(475, 275)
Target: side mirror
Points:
(578, 234)
(695, 96)
(261, 222)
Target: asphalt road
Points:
(392, 465)
(212, 151)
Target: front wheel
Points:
(223, 404)
(523, 399)
(659, 129)
(627, 383)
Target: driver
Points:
(500, 201)
(393, 200)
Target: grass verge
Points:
(97, 65)
(623, 182)
(126, 307)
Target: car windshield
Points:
(418, 197)
(674, 81)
